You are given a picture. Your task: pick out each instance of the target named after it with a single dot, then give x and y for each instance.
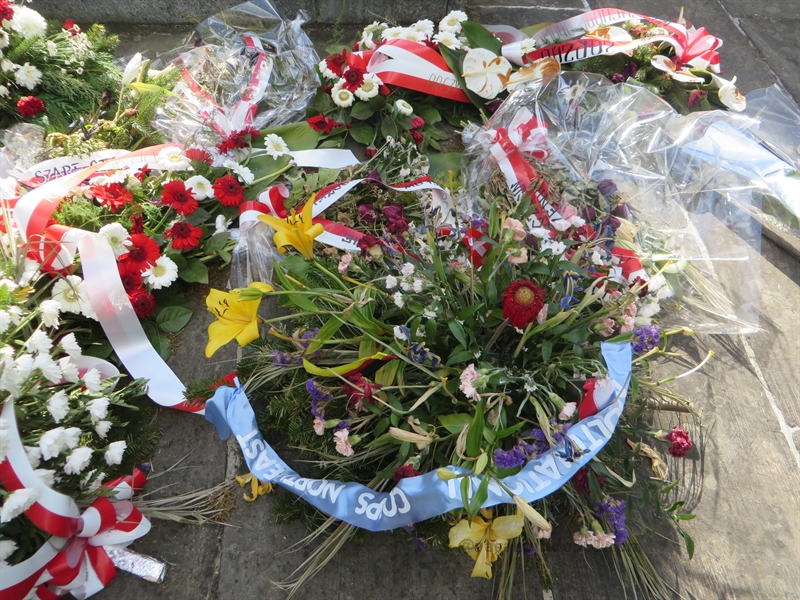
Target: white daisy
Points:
(325, 71)
(70, 293)
(244, 174)
(423, 26)
(393, 33)
(342, 96)
(28, 76)
(452, 22)
(404, 108)
(163, 274)
(172, 159)
(38, 343)
(117, 237)
(369, 88)
(413, 36)
(447, 38)
(200, 187)
(275, 146)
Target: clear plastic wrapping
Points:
(252, 257)
(224, 67)
(692, 206)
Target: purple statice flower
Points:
(341, 425)
(540, 443)
(508, 459)
(529, 550)
(646, 338)
(306, 338)
(281, 359)
(317, 396)
(614, 512)
(421, 544)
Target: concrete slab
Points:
(773, 39)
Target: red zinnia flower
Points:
(403, 472)
(522, 301)
(29, 106)
(143, 303)
(353, 79)
(142, 253)
(184, 236)
(113, 196)
(228, 191)
(198, 154)
(181, 199)
(238, 139)
(6, 11)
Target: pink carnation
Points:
(344, 263)
(343, 446)
(468, 377)
(319, 426)
(681, 444)
(628, 326)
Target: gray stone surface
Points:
(745, 490)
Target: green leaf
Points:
(195, 271)
(362, 133)
(388, 128)
(178, 259)
(361, 111)
(298, 136)
(534, 29)
(685, 516)
(504, 433)
(173, 318)
(322, 102)
(538, 268)
(458, 357)
(480, 496)
(296, 266)
(480, 37)
(443, 162)
(465, 493)
(458, 331)
(376, 103)
(325, 333)
(475, 433)
(455, 423)
(547, 350)
(689, 542)
(594, 486)
(430, 114)
(161, 344)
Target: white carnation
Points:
(114, 453)
(48, 367)
(91, 379)
(48, 476)
(50, 311)
(39, 343)
(19, 501)
(5, 433)
(70, 437)
(97, 409)
(70, 345)
(5, 321)
(102, 428)
(28, 76)
(51, 443)
(69, 370)
(27, 22)
(407, 270)
(399, 300)
(34, 455)
(58, 406)
(78, 460)
(24, 366)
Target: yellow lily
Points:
(257, 487)
(484, 541)
(296, 230)
(237, 318)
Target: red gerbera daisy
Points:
(336, 62)
(228, 191)
(142, 173)
(198, 154)
(137, 224)
(353, 79)
(522, 301)
(113, 196)
(143, 303)
(142, 253)
(184, 236)
(131, 280)
(175, 194)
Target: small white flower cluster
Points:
(422, 31)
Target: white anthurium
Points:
(729, 95)
(485, 73)
(132, 69)
(662, 63)
(536, 70)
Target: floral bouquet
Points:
(450, 378)
(52, 74)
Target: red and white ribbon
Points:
(73, 561)
(415, 67)
(694, 47)
(525, 136)
(270, 202)
(630, 264)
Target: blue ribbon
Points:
(426, 496)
